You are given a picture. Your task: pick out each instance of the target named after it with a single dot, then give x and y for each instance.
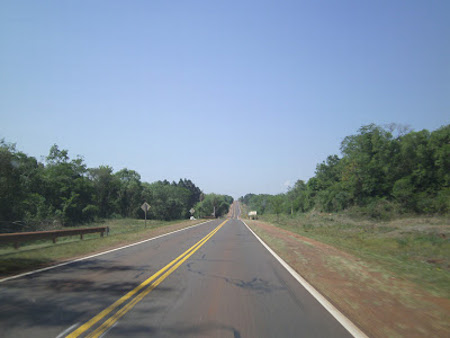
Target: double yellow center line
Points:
(136, 295)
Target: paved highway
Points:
(212, 280)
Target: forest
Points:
(64, 191)
(382, 171)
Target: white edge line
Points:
(344, 321)
(66, 331)
(98, 254)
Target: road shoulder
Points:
(376, 301)
(31, 261)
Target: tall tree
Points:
(106, 190)
(129, 192)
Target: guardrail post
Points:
(54, 239)
(16, 245)
(81, 236)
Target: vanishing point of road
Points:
(211, 280)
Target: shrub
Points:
(90, 212)
(442, 201)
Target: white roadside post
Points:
(192, 212)
(145, 207)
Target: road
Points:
(212, 280)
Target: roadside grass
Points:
(414, 248)
(42, 253)
(377, 300)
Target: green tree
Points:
(66, 187)
(277, 204)
(11, 193)
(296, 197)
(167, 201)
(130, 190)
(211, 203)
(366, 166)
(106, 190)
(194, 192)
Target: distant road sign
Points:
(192, 210)
(145, 207)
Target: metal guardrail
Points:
(19, 237)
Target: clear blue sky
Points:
(239, 96)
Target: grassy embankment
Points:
(415, 248)
(392, 279)
(44, 253)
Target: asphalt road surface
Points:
(213, 280)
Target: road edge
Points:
(96, 255)
(343, 320)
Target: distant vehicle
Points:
(253, 214)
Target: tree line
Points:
(377, 174)
(66, 191)
(214, 205)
